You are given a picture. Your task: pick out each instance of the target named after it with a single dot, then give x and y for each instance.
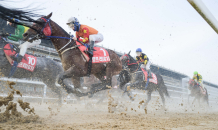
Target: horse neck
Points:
(59, 42)
(133, 66)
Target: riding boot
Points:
(18, 59)
(149, 74)
(90, 58)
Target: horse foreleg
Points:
(148, 98)
(188, 98)
(199, 102)
(68, 74)
(194, 101)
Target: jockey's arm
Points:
(18, 34)
(137, 59)
(146, 59)
(200, 79)
(85, 36)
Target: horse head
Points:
(191, 83)
(129, 62)
(124, 60)
(3, 59)
(40, 29)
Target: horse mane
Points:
(9, 14)
(61, 29)
(132, 60)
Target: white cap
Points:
(72, 20)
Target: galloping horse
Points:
(138, 80)
(73, 61)
(46, 69)
(196, 92)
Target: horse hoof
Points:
(90, 95)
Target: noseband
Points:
(128, 62)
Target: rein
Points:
(131, 63)
(48, 35)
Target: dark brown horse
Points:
(133, 77)
(196, 92)
(73, 62)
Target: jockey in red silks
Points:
(85, 34)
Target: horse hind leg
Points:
(162, 97)
(148, 99)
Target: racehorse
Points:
(46, 69)
(133, 73)
(197, 93)
(73, 61)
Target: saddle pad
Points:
(100, 55)
(28, 63)
(203, 91)
(153, 79)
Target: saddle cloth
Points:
(28, 62)
(100, 55)
(203, 91)
(153, 79)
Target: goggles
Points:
(138, 53)
(70, 25)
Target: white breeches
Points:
(147, 66)
(96, 37)
(23, 47)
(201, 84)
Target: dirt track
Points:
(77, 116)
(115, 113)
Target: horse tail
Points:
(166, 91)
(206, 97)
(164, 87)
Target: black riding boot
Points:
(90, 56)
(149, 74)
(18, 59)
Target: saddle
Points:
(28, 62)
(153, 79)
(203, 91)
(100, 55)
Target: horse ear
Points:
(129, 52)
(49, 16)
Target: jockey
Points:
(19, 31)
(85, 34)
(198, 79)
(142, 58)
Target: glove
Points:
(5, 34)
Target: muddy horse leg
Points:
(194, 101)
(199, 102)
(148, 98)
(188, 98)
(68, 74)
(162, 97)
(106, 84)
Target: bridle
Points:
(128, 62)
(46, 31)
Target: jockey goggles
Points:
(70, 25)
(138, 53)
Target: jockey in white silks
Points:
(19, 31)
